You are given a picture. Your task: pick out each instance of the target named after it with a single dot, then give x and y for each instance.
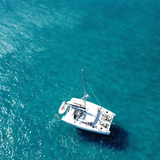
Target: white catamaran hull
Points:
(92, 119)
(86, 115)
(89, 129)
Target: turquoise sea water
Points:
(44, 44)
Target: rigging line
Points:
(94, 96)
(93, 93)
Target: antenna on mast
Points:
(84, 88)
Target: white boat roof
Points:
(91, 108)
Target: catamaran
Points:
(87, 115)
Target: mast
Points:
(84, 89)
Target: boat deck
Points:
(89, 118)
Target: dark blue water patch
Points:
(118, 138)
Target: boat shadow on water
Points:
(118, 138)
